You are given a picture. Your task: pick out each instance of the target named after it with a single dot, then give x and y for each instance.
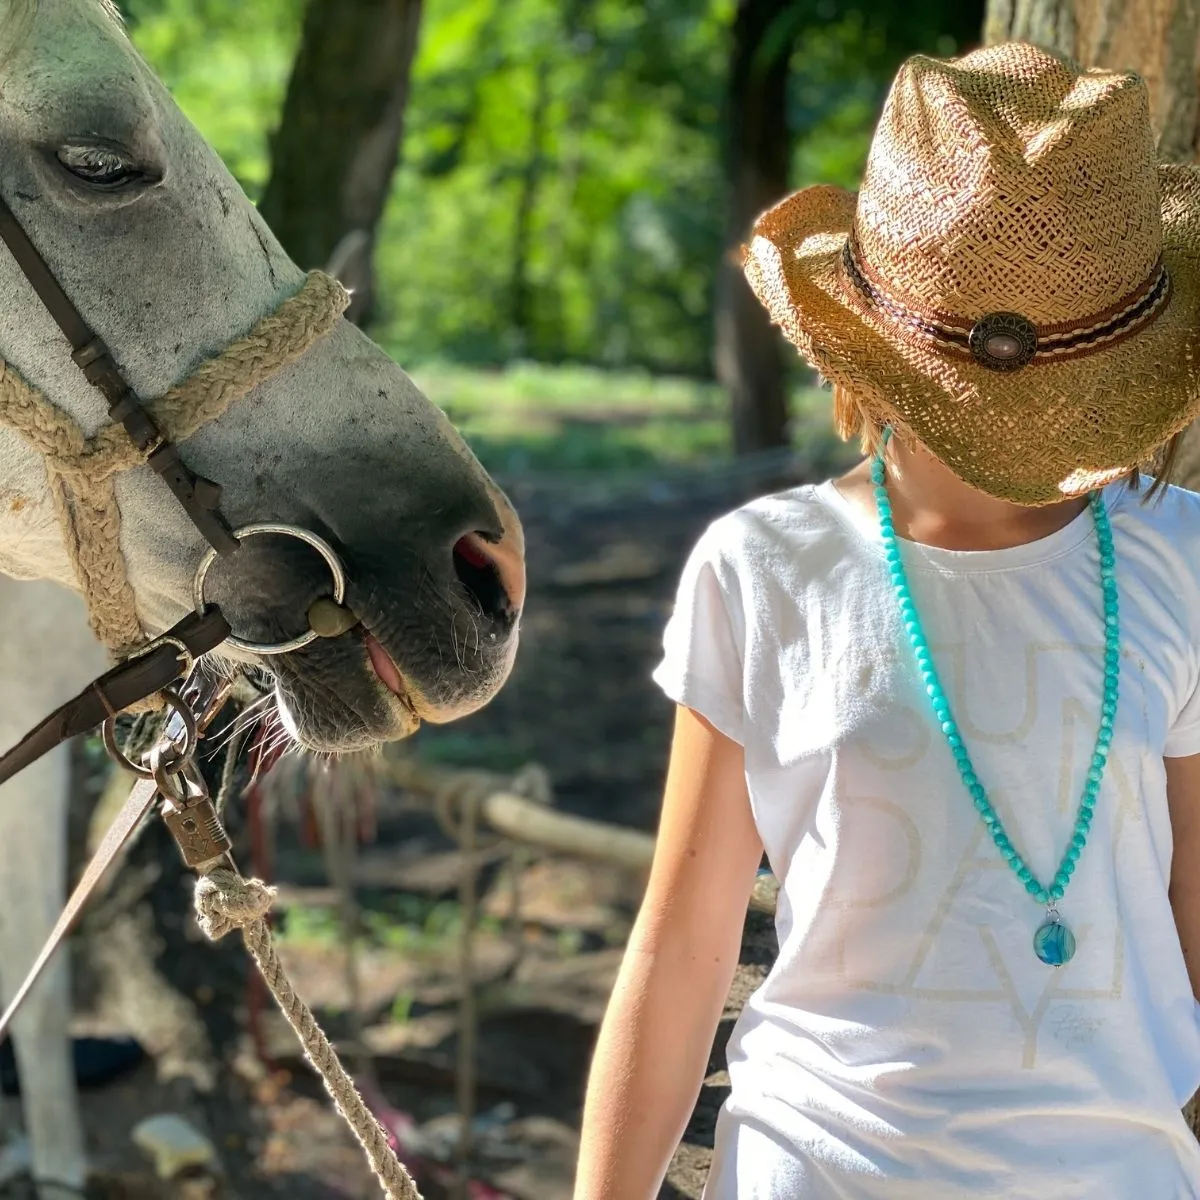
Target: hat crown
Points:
(1011, 180)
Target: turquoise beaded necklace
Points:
(1053, 942)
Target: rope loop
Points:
(465, 792)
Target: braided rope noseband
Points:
(81, 470)
(1006, 341)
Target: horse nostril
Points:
(471, 554)
(478, 572)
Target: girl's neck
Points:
(931, 505)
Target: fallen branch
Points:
(521, 812)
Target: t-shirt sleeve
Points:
(701, 667)
(1183, 740)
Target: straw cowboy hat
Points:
(1016, 284)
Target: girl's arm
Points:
(658, 1031)
(1183, 801)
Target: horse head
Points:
(169, 263)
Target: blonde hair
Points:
(853, 419)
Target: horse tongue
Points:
(387, 670)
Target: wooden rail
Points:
(523, 818)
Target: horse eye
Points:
(98, 165)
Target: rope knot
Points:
(225, 901)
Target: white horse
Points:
(168, 262)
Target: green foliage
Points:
(528, 416)
(310, 925)
(402, 1007)
(415, 925)
(560, 196)
(602, 119)
(226, 63)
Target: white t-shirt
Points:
(908, 1044)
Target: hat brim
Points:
(1037, 435)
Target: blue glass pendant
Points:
(1054, 943)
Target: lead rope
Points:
(81, 471)
(226, 901)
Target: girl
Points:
(952, 694)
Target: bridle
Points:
(168, 772)
(168, 777)
(149, 668)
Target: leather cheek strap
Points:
(126, 684)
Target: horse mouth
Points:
(385, 669)
(344, 694)
(381, 678)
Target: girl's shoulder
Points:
(1169, 503)
(804, 511)
(1167, 520)
(800, 531)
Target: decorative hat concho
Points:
(1008, 341)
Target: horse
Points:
(169, 263)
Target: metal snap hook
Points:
(319, 544)
(181, 753)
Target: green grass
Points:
(531, 417)
(413, 925)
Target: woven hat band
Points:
(1007, 341)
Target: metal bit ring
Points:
(319, 544)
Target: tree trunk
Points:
(338, 142)
(748, 354)
(521, 298)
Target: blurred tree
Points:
(747, 353)
(563, 192)
(805, 81)
(559, 197)
(335, 151)
(1160, 40)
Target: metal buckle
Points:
(322, 547)
(187, 660)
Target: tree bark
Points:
(748, 356)
(1046, 23)
(338, 142)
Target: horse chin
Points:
(330, 726)
(349, 694)
(342, 712)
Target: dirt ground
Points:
(603, 563)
